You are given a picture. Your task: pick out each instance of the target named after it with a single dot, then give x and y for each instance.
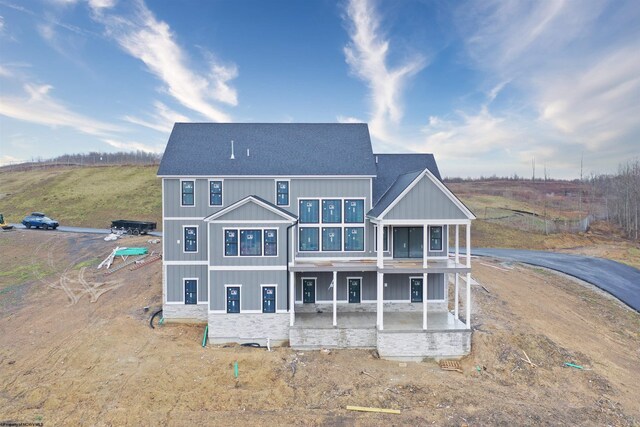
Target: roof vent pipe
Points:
(232, 156)
(376, 160)
(247, 152)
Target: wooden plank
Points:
(365, 409)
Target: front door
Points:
(233, 299)
(416, 290)
(407, 242)
(308, 291)
(355, 286)
(269, 299)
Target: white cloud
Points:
(144, 37)
(367, 56)
(7, 160)
(347, 119)
(38, 106)
(132, 146)
(101, 4)
(162, 119)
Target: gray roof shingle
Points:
(391, 166)
(275, 149)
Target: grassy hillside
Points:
(83, 196)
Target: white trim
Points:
(309, 258)
(226, 298)
(189, 177)
(275, 185)
(184, 289)
(164, 247)
(315, 290)
(209, 192)
(418, 222)
(174, 303)
(360, 279)
(375, 238)
(370, 194)
(194, 192)
(243, 202)
(441, 239)
(183, 218)
(247, 221)
(185, 262)
(185, 240)
(247, 267)
(275, 287)
(238, 229)
(327, 301)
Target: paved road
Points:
(621, 281)
(85, 230)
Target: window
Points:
(331, 211)
(231, 242)
(191, 239)
(190, 291)
(250, 243)
(435, 243)
(308, 212)
(271, 242)
(282, 193)
(354, 211)
(308, 239)
(233, 299)
(215, 193)
(268, 299)
(188, 193)
(385, 239)
(354, 239)
(331, 238)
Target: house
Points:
(299, 233)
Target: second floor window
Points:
(354, 239)
(188, 198)
(215, 193)
(308, 210)
(231, 242)
(354, 211)
(191, 239)
(435, 243)
(282, 193)
(251, 242)
(270, 242)
(331, 211)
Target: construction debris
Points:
(365, 409)
(450, 365)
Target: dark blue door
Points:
(190, 291)
(354, 290)
(269, 299)
(233, 299)
(416, 290)
(308, 291)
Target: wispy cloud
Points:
(161, 120)
(36, 105)
(143, 36)
(133, 146)
(367, 56)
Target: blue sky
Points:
(487, 86)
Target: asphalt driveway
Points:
(620, 280)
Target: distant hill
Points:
(83, 196)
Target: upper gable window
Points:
(354, 211)
(215, 193)
(188, 190)
(309, 211)
(282, 193)
(331, 211)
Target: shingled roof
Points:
(391, 166)
(268, 149)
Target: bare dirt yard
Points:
(76, 348)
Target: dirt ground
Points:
(68, 357)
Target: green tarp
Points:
(131, 251)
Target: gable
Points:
(252, 208)
(425, 201)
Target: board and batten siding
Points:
(173, 235)
(325, 294)
(425, 201)
(250, 289)
(175, 281)
(398, 286)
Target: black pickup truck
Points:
(132, 227)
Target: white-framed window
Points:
(187, 193)
(191, 290)
(331, 224)
(385, 237)
(250, 242)
(435, 238)
(282, 192)
(215, 192)
(190, 234)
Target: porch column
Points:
(425, 245)
(469, 244)
(380, 295)
(335, 298)
(380, 248)
(457, 296)
(292, 297)
(424, 301)
(468, 300)
(457, 244)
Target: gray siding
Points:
(324, 279)
(174, 240)
(216, 233)
(175, 281)
(425, 201)
(250, 291)
(398, 287)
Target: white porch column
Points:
(380, 306)
(335, 298)
(457, 296)
(468, 300)
(469, 244)
(457, 244)
(292, 297)
(380, 249)
(424, 300)
(425, 245)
